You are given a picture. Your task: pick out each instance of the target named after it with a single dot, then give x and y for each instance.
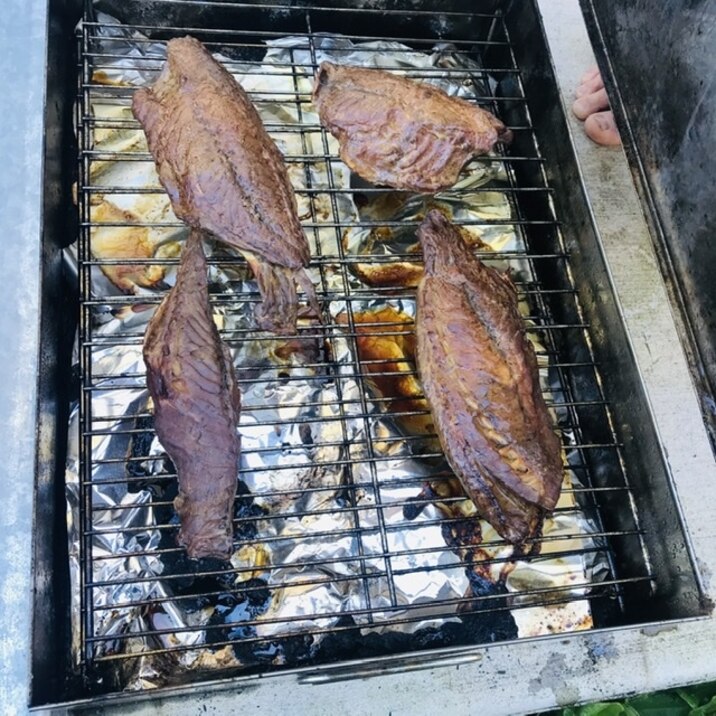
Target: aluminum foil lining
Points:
(308, 432)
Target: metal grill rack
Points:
(552, 287)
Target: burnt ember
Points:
(247, 602)
(139, 446)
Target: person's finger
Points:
(590, 103)
(601, 128)
(592, 72)
(590, 86)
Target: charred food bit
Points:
(224, 174)
(479, 373)
(124, 242)
(386, 346)
(383, 240)
(190, 377)
(399, 133)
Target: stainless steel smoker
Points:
(324, 607)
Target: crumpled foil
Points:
(327, 538)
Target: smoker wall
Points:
(658, 62)
(58, 317)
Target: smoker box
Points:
(656, 548)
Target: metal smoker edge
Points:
(23, 39)
(498, 679)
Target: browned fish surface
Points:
(190, 377)
(224, 174)
(479, 373)
(396, 132)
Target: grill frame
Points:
(574, 326)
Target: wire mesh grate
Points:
(372, 566)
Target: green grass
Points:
(699, 700)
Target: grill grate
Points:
(378, 564)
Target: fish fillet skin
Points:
(396, 132)
(191, 379)
(480, 376)
(222, 171)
